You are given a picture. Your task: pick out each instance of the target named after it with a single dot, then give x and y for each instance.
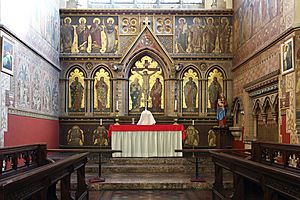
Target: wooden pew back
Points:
(17, 159)
(40, 183)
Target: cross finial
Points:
(146, 21)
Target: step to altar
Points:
(148, 181)
(152, 165)
(150, 173)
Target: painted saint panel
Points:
(146, 86)
(76, 91)
(89, 34)
(190, 91)
(102, 91)
(203, 34)
(215, 88)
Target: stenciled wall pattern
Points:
(35, 84)
(184, 35)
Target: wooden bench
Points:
(18, 159)
(28, 174)
(267, 174)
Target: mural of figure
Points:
(211, 138)
(55, 98)
(82, 35)
(77, 90)
(214, 90)
(192, 136)
(196, 35)
(102, 91)
(190, 94)
(225, 34)
(273, 8)
(111, 35)
(156, 92)
(135, 94)
(23, 85)
(210, 35)
(36, 92)
(7, 58)
(182, 35)
(287, 56)
(221, 110)
(95, 32)
(100, 136)
(75, 136)
(67, 35)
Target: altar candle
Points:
(117, 105)
(100, 122)
(193, 122)
(132, 119)
(175, 106)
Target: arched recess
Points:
(256, 116)
(267, 127)
(191, 97)
(76, 89)
(216, 84)
(146, 85)
(238, 111)
(151, 53)
(101, 90)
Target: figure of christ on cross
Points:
(146, 79)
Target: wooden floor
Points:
(150, 195)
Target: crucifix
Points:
(146, 78)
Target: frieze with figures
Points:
(32, 95)
(89, 34)
(179, 34)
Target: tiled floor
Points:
(150, 195)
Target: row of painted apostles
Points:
(210, 37)
(136, 90)
(83, 32)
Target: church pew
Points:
(270, 181)
(18, 159)
(278, 155)
(40, 183)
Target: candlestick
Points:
(132, 120)
(117, 105)
(175, 105)
(193, 122)
(100, 122)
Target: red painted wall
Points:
(284, 134)
(29, 130)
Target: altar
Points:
(146, 140)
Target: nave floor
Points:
(150, 195)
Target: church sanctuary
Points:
(149, 99)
